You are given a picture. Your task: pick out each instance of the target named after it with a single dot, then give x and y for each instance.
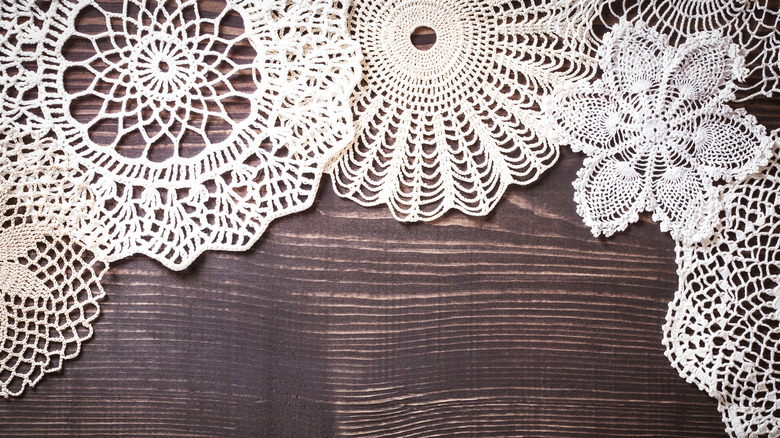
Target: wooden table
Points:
(341, 321)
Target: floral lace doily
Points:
(723, 327)
(453, 126)
(51, 260)
(752, 24)
(198, 126)
(657, 132)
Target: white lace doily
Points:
(198, 126)
(51, 260)
(657, 132)
(453, 126)
(21, 24)
(754, 25)
(723, 327)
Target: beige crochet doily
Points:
(52, 256)
(452, 126)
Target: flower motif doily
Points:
(198, 126)
(453, 126)
(657, 132)
(51, 260)
(723, 327)
(752, 24)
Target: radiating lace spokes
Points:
(199, 126)
(451, 127)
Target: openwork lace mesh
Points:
(51, 260)
(451, 127)
(722, 330)
(197, 124)
(21, 24)
(657, 132)
(754, 25)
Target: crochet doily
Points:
(51, 260)
(198, 126)
(657, 132)
(20, 32)
(752, 24)
(453, 126)
(722, 331)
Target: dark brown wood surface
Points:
(343, 322)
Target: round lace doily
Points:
(722, 331)
(50, 260)
(754, 25)
(453, 125)
(198, 125)
(657, 132)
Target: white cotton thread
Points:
(657, 132)
(721, 330)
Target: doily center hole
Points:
(163, 66)
(423, 38)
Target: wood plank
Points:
(341, 321)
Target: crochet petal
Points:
(730, 145)
(609, 193)
(751, 24)
(632, 59)
(592, 121)
(684, 202)
(705, 67)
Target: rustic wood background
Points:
(343, 322)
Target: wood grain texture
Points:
(343, 322)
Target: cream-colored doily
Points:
(452, 126)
